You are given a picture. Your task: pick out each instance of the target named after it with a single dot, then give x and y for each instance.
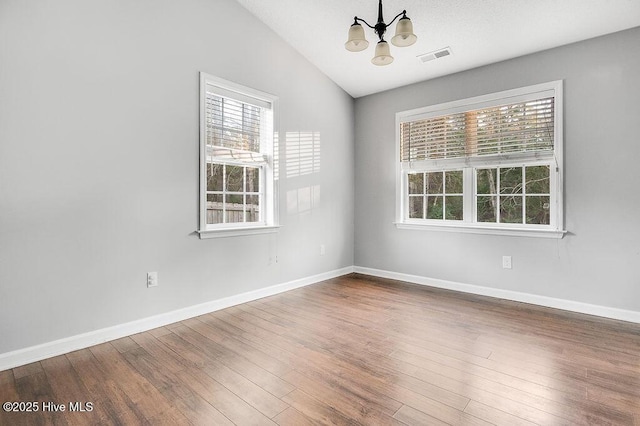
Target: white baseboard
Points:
(69, 344)
(550, 302)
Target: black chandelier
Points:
(404, 36)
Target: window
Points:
(237, 188)
(436, 195)
(490, 164)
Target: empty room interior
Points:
(319, 212)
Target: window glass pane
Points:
(511, 209)
(253, 208)
(454, 207)
(214, 208)
(453, 182)
(434, 206)
(537, 179)
(538, 210)
(486, 209)
(234, 199)
(511, 180)
(416, 183)
(253, 179)
(214, 177)
(416, 207)
(234, 178)
(434, 183)
(234, 208)
(486, 181)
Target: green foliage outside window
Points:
(513, 195)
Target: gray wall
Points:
(597, 262)
(99, 163)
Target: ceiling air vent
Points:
(436, 54)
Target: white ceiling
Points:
(478, 32)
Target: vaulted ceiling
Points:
(478, 32)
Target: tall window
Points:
(487, 164)
(237, 189)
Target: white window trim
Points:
(237, 231)
(269, 187)
(554, 230)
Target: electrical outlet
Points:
(152, 279)
(506, 262)
(322, 250)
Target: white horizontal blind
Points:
(512, 128)
(232, 129)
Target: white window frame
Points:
(469, 164)
(268, 185)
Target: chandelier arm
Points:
(362, 20)
(404, 12)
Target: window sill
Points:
(487, 230)
(237, 232)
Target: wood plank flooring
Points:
(352, 350)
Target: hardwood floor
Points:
(352, 350)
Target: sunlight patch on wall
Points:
(302, 153)
(303, 200)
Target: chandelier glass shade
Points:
(404, 33)
(383, 54)
(357, 41)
